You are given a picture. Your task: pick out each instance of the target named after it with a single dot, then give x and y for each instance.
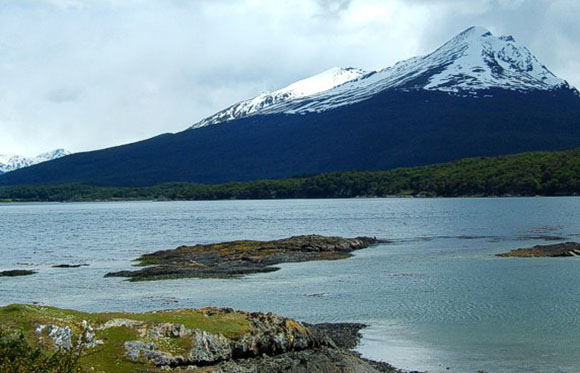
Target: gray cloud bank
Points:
(95, 73)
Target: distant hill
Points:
(527, 174)
(477, 95)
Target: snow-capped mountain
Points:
(471, 63)
(9, 162)
(477, 95)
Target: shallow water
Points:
(436, 297)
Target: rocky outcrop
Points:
(62, 336)
(322, 359)
(16, 272)
(206, 348)
(344, 335)
(70, 265)
(273, 344)
(205, 340)
(242, 257)
(268, 335)
(570, 249)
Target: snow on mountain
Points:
(469, 64)
(49, 156)
(9, 162)
(477, 60)
(318, 83)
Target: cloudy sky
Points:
(88, 74)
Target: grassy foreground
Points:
(526, 174)
(22, 349)
(35, 339)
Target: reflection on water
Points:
(436, 296)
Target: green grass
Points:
(110, 356)
(24, 319)
(27, 318)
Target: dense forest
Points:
(526, 174)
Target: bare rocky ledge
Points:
(238, 258)
(570, 249)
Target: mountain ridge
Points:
(417, 112)
(473, 61)
(11, 162)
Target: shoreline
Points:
(191, 339)
(97, 201)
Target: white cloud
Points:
(95, 73)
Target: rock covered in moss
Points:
(242, 257)
(268, 334)
(570, 249)
(204, 340)
(62, 336)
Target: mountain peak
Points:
(475, 31)
(470, 64)
(53, 154)
(477, 60)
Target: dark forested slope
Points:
(392, 129)
(527, 174)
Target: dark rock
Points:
(323, 359)
(542, 238)
(571, 249)
(17, 272)
(238, 258)
(69, 265)
(344, 335)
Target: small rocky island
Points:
(16, 272)
(571, 249)
(237, 258)
(197, 340)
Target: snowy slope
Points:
(469, 64)
(302, 88)
(10, 162)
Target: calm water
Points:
(436, 297)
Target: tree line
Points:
(526, 174)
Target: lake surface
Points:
(436, 297)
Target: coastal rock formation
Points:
(16, 272)
(70, 265)
(242, 257)
(323, 359)
(204, 340)
(556, 250)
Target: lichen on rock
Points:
(565, 249)
(62, 336)
(237, 258)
